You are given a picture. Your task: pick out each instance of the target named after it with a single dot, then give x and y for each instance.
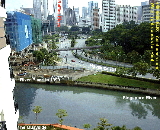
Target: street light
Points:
(116, 59)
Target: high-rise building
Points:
(108, 15)
(84, 12)
(40, 9)
(69, 17)
(37, 9)
(91, 5)
(140, 10)
(95, 19)
(146, 15)
(76, 10)
(45, 11)
(126, 13)
(64, 4)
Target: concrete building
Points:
(58, 12)
(95, 19)
(91, 5)
(108, 15)
(126, 13)
(40, 9)
(64, 5)
(84, 12)
(37, 9)
(76, 10)
(29, 11)
(146, 15)
(45, 11)
(8, 117)
(140, 12)
(69, 17)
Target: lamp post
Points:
(116, 59)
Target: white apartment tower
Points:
(108, 15)
(146, 15)
(126, 13)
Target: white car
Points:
(81, 62)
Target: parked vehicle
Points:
(73, 60)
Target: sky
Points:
(16, 4)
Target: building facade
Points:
(126, 13)
(84, 12)
(37, 9)
(91, 5)
(95, 20)
(64, 5)
(76, 10)
(18, 27)
(146, 15)
(69, 17)
(108, 15)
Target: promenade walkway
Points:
(44, 126)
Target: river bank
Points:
(64, 81)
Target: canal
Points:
(87, 105)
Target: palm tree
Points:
(36, 110)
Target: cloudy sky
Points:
(16, 4)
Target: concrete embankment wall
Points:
(92, 85)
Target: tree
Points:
(73, 42)
(74, 28)
(87, 126)
(39, 55)
(61, 113)
(85, 30)
(102, 124)
(61, 28)
(119, 128)
(142, 67)
(156, 73)
(37, 110)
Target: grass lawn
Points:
(103, 78)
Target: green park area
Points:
(103, 78)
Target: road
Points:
(67, 56)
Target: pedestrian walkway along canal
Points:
(87, 105)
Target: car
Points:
(73, 60)
(81, 62)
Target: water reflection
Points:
(138, 110)
(24, 96)
(86, 105)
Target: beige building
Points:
(95, 19)
(126, 13)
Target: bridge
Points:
(76, 48)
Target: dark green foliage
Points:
(130, 36)
(62, 28)
(74, 28)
